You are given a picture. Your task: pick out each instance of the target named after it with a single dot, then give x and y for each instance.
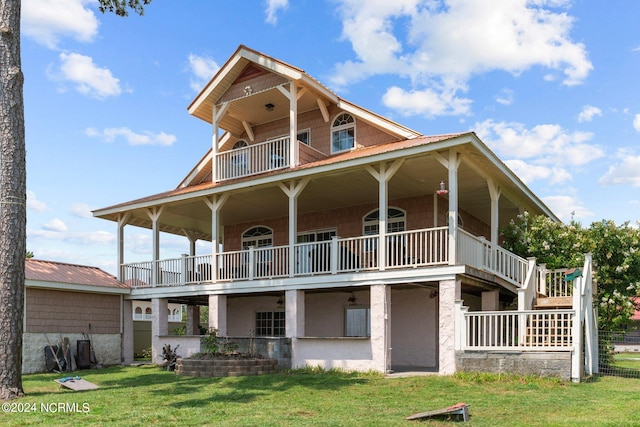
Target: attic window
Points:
(343, 133)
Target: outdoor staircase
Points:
(549, 331)
(546, 303)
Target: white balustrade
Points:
(253, 159)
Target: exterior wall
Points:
(348, 221)
(350, 354)
(66, 312)
(241, 313)
(107, 348)
(325, 312)
(414, 324)
(544, 364)
(258, 84)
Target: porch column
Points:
(214, 142)
(159, 327)
(383, 175)
(490, 300)
(295, 309)
(122, 221)
(218, 314)
(193, 320)
(154, 214)
(293, 125)
(215, 203)
(127, 331)
(449, 291)
(293, 191)
(454, 162)
(494, 193)
(380, 328)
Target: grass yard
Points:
(131, 396)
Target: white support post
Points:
(154, 214)
(494, 192)
(380, 328)
(214, 143)
(461, 325)
(453, 163)
(215, 203)
(449, 291)
(293, 126)
(383, 175)
(294, 312)
(293, 191)
(576, 332)
(335, 254)
(122, 221)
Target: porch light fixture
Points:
(443, 189)
(269, 106)
(352, 300)
(280, 302)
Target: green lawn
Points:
(147, 396)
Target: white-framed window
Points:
(304, 136)
(240, 160)
(396, 221)
(343, 133)
(258, 237)
(148, 315)
(270, 323)
(137, 314)
(357, 321)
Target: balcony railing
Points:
(406, 249)
(253, 159)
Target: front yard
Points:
(147, 395)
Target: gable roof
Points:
(51, 274)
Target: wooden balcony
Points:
(404, 250)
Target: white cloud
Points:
(132, 138)
(588, 113)
(55, 225)
(636, 122)
(505, 97)
(81, 210)
(34, 204)
(567, 207)
(548, 144)
(426, 102)
(530, 172)
(79, 238)
(448, 42)
(86, 77)
(203, 69)
(272, 8)
(47, 21)
(626, 171)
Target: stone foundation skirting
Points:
(225, 367)
(546, 364)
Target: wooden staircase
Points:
(546, 303)
(550, 330)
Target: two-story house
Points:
(351, 240)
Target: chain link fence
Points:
(619, 354)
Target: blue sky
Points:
(550, 85)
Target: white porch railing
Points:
(407, 249)
(253, 159)
(544, 330)
(484, 255)
(553, 283)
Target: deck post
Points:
(295, 309)
(449, 291)
(380, 301)
(218, 314)
(159, 327)
(576, 331)
(127, 330)
(452, 166)
(122, 221)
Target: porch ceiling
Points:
(418, 176)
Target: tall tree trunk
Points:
(13, 214)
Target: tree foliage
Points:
(615, 250)
(121, 7)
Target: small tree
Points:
(615, 250)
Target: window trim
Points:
(272, 327)
(338, 128)
(367, 320)
(390, 220)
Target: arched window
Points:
(396, 221)
(147, 313)
(240, 160)
(343, 133)
(137, 314)
(258, 237)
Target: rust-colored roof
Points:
(58, 272)
(342, 157)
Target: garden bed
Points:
(225, 367)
